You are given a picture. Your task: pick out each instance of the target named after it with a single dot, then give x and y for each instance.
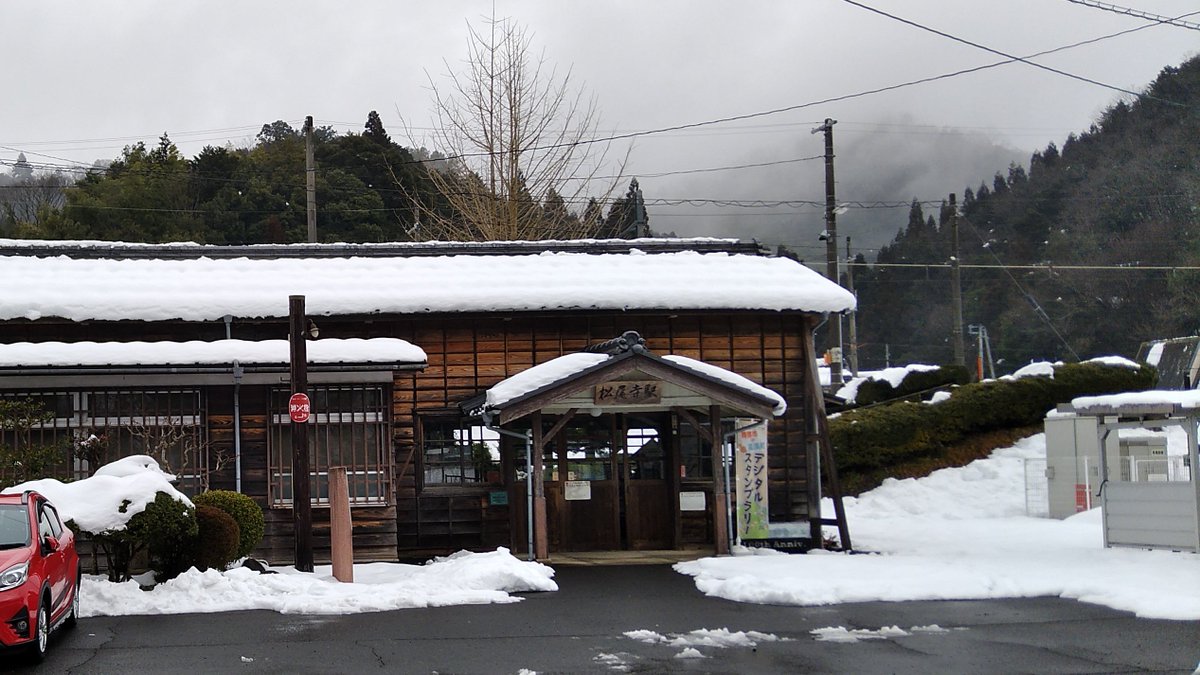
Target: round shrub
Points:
(245, 512)
(217, 543)
(167, 530)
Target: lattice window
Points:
(93, 428)
(350, 427)
(459, 451)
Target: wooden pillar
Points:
(341, 529)
(720, 503)
(541, 542)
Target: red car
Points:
(39, 572)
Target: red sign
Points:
(299, 407)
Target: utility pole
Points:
(956, 333)
(640, 229)
(854, 312)
(831, 254)
(310, 173)
(301, 492)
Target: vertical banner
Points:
(750, 464)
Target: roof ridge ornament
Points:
(630, 341)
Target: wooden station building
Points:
(446, 378)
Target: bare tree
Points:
(181, 450)
(518, 137)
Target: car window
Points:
(14, 526)
(56, 525)
(44, 523)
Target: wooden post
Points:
(825, 447)
(341, 529)
(541, 541)
(720, 499)
(301, 493)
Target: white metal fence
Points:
(1037, 489)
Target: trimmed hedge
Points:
(916, 381)
(872, 441)
(245, 512)
(217, 542)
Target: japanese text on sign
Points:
(623, 392)
(751, 476)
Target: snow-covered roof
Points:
(197, 353)
(1137, 401)
(569, 365)
(78, 287)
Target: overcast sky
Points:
(84, 78)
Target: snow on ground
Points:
(461, 579)
(718, 638)
(960, 534)
(95, 504)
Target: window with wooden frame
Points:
(93, 428)
(350, 426)
(459, 451)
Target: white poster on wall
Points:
(577, 490)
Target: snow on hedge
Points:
(95, 503)
(893, 376)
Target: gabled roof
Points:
(554, 383)
(89, 281)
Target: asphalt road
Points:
(572, 631)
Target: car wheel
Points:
(74, 615)
(42, 632)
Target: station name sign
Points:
(625, 392)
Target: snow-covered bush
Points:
(913, 380)
(888, 440)
(109, 508)
(165, 530)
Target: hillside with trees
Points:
(1120, 200)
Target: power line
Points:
(1022, 59)
(869, 92)
(1138, 13)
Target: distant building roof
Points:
(1177, 361)
(113, 281)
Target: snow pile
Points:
(460, 579)
(106, 501)
(842, 634)
(893, 376)
(719, 638)
(961, 534)
(849, 635)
